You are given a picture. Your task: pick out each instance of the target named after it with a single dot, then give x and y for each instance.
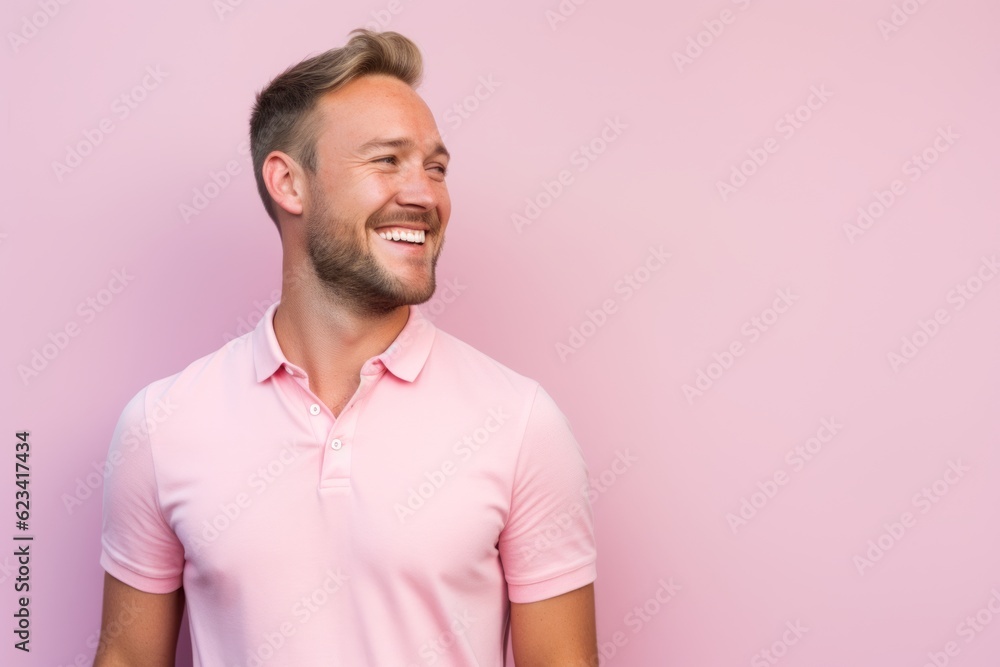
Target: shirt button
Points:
(314, 409)
(336, 444)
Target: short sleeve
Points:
(547, 545)
(138, 546)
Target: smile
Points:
(404, 235)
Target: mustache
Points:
(429, 218)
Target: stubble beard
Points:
(351, 273)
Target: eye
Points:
(441, 169)
(391, 159)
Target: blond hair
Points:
(284, 115)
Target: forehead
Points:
(374, 106)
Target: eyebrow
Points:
(378, 144)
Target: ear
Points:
(285, 181)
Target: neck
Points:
(329, 337)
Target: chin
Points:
(415, 298)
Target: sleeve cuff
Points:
(550, 588)
(142, 582)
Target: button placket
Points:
(321, 423)
(338, 454)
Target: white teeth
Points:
(404, 235)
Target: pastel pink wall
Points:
(879, 336)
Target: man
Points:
(347, 484)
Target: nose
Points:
(418, 188)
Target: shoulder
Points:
(477, 374)
(478, 368)
(203, 379)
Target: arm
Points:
(557, 632)
(547, 546)
(138, 628)
(143, 559)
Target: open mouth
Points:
(405, 236)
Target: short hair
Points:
(284, 115)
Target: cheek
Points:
(444, 203)
(374, 193)
(368, 191)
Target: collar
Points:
(404, 357)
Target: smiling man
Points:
(348, 484)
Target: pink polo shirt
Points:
(392, 535)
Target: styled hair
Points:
(285, 113)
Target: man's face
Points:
(380, 167)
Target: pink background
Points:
(681, 131)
